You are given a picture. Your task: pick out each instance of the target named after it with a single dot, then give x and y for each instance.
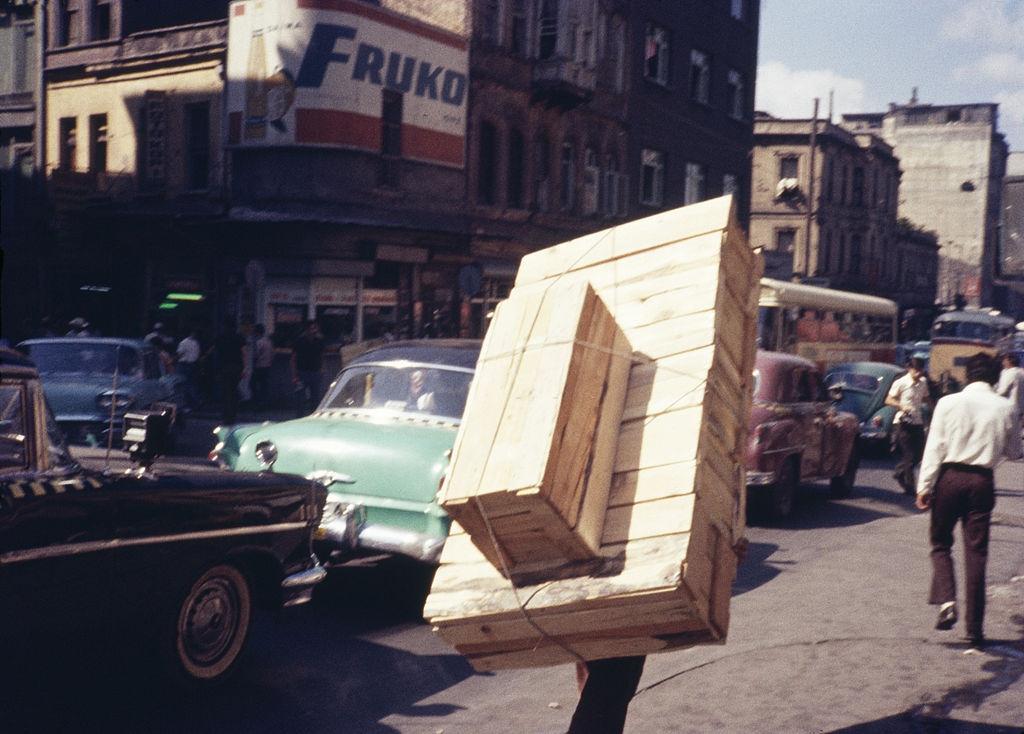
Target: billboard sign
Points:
(313, 72)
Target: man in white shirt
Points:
(909, 395)
(971, 432)
(188, 353)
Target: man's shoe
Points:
(976, 643)
(947, 616)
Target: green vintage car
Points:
(865, 385)
(380, 440)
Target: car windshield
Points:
(84, 358)
(402, 387)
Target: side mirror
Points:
(835, 393)
(147, 434)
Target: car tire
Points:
(842, 486)
(782, 494)
(206, 628)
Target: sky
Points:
(873, 52)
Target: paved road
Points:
(830, 632)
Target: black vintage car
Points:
(181, 558)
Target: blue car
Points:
(865, 385)
(90, 382)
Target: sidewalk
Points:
(853, 648)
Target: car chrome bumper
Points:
(760, 478)
(345, 531)
(873, 434)
(297, 588)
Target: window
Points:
(656, 56)
(391, 137)
(567, 194)
(858, 186)
(789, 166)
(516, 169)
(785, 239)
(618, 54)
(696, 175)
(13, 427)
(490, 21)
(700, 76)
(542, 174)
(487, 170)
(197, 146)
(97, 143)
(591, 181)
(737, 9)
(517, 28)
(729, 184)
(735, 95)
(23, 62)
(68, 142)
(69, 31)
(100, 20)
(612, 181)
(825, 255)
(652, 186)
(547, 22)
(856, 242)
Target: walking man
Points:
(188, 353)
(1011, 382)
(307, 363)
(909, 395)
(971, 432)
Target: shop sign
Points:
(341, 291)
(380, 297)
(282, 291)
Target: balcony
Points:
(563, 82)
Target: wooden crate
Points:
(531, 466)
(682, 286)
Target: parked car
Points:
(380, 439)
(91, 382)
(181, 559)
(864, 386)
(796, 433)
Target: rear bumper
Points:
(297, 588)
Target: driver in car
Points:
(419, 398)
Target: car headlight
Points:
(266, 454)
(119, 401)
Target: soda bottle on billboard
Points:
(255, 127)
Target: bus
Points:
(956, 335)
(825, 326)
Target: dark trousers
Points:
(229, 395)
(309, 397)
(606, 695)
(967, 495)
(910, 442)
(260, 384)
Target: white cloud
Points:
(992, 23)
(1003, 67)
(786, 92)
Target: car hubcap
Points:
(210, 621)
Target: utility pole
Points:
(810, 192)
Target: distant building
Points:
(953, 159)
(21, 200)
(1011, 252)
(134, 159)
(826, 212)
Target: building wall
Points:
(121, 98)
(667, 117)
(953, 159)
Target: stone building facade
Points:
(827, 212)
(134, 159)
(953, 159)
